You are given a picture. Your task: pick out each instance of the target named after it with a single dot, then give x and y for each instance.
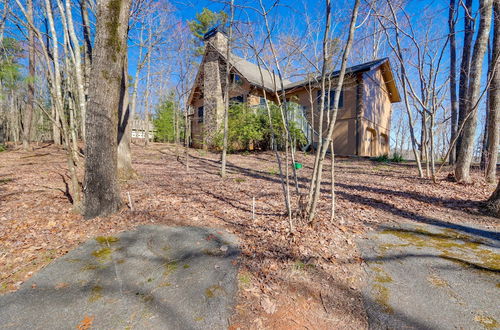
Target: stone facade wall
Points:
(213, 101)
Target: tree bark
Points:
(124, 160)
(494, 100)
(331, 124)
(226, 95)
(453, 77)
(102, 193)
(493, 203)
(79, 75)
(465, 69)
(148, 85)
(87, 46)
(464, 156)
(125, 169)
(28, 115)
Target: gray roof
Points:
(252, 73)
(363, 67)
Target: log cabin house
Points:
(364, 117)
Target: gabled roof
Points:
(363, 67)
(252, 73)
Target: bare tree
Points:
(494, 100)
(453, 75)
(465, 67)
(102, 193)
(226, 93)
(28, 115)
(464, 156)
(321, 153)
(402, 76)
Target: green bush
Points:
(2, 147)
(397, 158)
(250, 126)
(382, 159)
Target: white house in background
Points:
(139, 128)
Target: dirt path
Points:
(432, 276)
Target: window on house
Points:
(262, 102)
(201, 113)
(235, 79)
(332, 97)
(236, 99)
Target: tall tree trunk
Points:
(79, 74)
(453, 78)
(484, 139)
(102, 193)
(326, 38)
(493, 203)
(148, 85)
(28, 115)
(226, 94)
(58, 106)
(87, 46)
(125, 169)
(494, 100)
(331, 124)
(465, 70)
(465, 153)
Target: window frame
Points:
(332, 97)
(201, 118)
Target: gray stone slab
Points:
(440, 276)
(154, 277)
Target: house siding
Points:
(376, 115)
(363, 122)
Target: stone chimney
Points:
(217, 38)
(213, 102)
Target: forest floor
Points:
(310, 278)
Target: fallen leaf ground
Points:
(310, 278)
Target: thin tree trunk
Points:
(494, 100)
(465, 153)
(398, 51)
(226, 94)
(331, 124)
(57, 99)
(28, 115)
(148, 85)
(125, 169)
(484, 139)
(312, 185)
(453, 77)
(102, 192)
(80, 81)
(465, 69)
(332, 184)
(87, 48)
